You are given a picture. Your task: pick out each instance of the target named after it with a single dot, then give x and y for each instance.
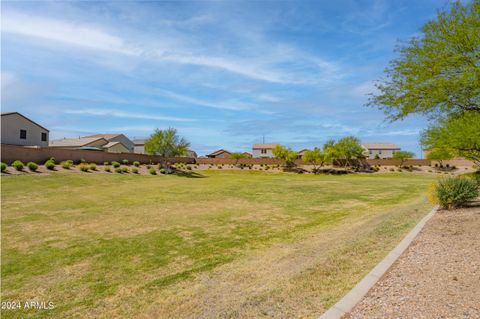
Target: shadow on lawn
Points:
(189, 174)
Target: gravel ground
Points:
(437, 277)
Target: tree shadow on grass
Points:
(189, 174)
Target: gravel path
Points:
(438, 276)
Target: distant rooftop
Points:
(77, 142)
(264, 146)
(381, 146)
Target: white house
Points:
(380, 150)
(263, 150)
(17, 129)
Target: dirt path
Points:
(437, 277)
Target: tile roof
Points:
(264, 146)
(220, 151)
(381, 146)
(105, 136)
(75, 142)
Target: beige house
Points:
(90, 143)
(17, 129)
(263, 150)
(221, 153)
(113, 143)
(380, 150)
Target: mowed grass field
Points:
(231, 244)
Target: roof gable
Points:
(26, 118)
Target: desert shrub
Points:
(93, 166)
(50, 164)
(452, 192)
(32, 166)
(149, 166)
(82, 160)
(152, 171)
(4, 166)
(125, 162)
(107, 169)
(115, 164)
(136, 163)
(106, 163)
(124, 169)
(134, 170)
(392, 170)
(219, 166)
(189, 167)
(18, 165)
(118, 170)
(84, 167)
(66, 164)
(52, 159)
(163, 171)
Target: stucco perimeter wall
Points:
(10, 153)
(392, 162)
(247, 161)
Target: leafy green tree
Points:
(347, 149)
(166, 143)
(437, 73)
(459, 133)
(402, 156)
(285, 154)
(315, 157)
(440, 155)
(237, 156)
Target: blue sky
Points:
(223, 73)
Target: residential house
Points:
(380, 150)
(221, 153)
(263, 150)
(114, 140)
(93, 143)
(247, 154)
(139, 147)
(18, 129)
(302, 152)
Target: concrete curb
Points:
(350, 300)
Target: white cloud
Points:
(131, 115)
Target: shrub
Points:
(32, 166)
(152, 171)
(149, 166)
(124, 169)
(118, 170)
(134, 170)
(391, 169)
(18, 165)
(66, 164)
(106, 163)
(115, 164)
(107, 169)
(52, 159)
(189, 167)
(454, 192)
(93, 166)
(81, 161)
(50, 164)
(4, 166)
(136, 163)
(84, 167)
(163, 171)
(125, 162)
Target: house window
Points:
(264, 151)
(370, 152)
(380, 152)
(44, 137)
(23, 134)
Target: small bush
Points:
(84, 167)
(149, 166)
(81, 161)
(115, 164)
(93, 166)
(106, 163)
(66, 164)
(18, 165)
(125, 162)
(134, 170)
(152, 171)
(452, 192)
(124, 169)
(189, 167)
(107, 169)
(52, 159)
(392, 170)
(50, 164)
(4, 166)
(136, 163)
(32, 166)
(163, 171)
(118, 170)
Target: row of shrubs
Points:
(453, 192)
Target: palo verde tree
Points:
(402, 156)
(438, 72)
(285, 154)
(166, 143)
(315, 157)
(237, 156)
(348, 148)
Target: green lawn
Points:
(231, 244)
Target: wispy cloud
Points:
(130, 115)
